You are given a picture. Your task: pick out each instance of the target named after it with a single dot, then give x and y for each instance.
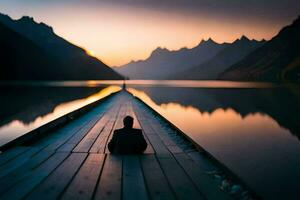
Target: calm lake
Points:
(252, 128)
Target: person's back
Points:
(127, 140)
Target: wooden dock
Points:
(72, 161)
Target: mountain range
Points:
(205, 61)
(229, 55)
(277, 60)
(163, 62)
(32, 51)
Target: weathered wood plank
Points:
(23, 171)
(83, 185)
(109, 187)
(174, 149)
(11, 154)
(133, 181)
(206, 184)
(202, 161)
(157, 144)
(52, 187)
(22, 188)
(61, 137)
(182, 185)
(17, 162)
(76, 138)
(100, 143)
(85, 144)
(156, 181)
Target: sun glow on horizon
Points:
(90, 52)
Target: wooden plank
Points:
(174, 149)
(202, 161)
(206, 184)
(55, 140)
(76, 138)
(85, 144)
(182, 185)
(52, 187)
(64, 135)
(17, 162)
(23, 171)
(23, 187)
(84, 183)
(158, 145)
(11, 154)
(100, 143)
(156, 181)
(133, 181)
(164, 133)
(165, 137)
(109, 187)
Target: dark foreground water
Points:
(254, 129)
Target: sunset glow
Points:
(91, 53)
(117, 32)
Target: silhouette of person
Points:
(127, 140)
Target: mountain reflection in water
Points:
(26, 108)
(255, 132)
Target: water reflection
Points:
(25, 108)
(147, 83)
(279, 103)
(250, 131)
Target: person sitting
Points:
(127, 140)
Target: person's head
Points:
(128, 122)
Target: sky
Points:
(118, 31)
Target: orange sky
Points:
(119, 34)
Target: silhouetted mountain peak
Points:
(4, 16)
(208, 41)
(25, 22)
(159, 51)
(244, 38)
(29, 21)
